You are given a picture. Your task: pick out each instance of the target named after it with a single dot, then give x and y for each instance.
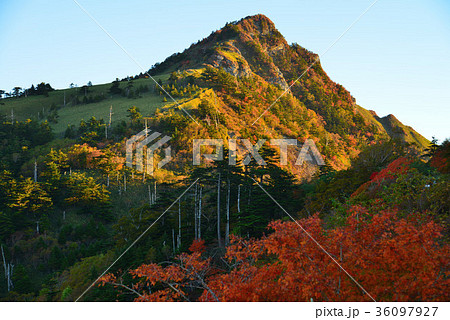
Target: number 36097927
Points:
(407, 311)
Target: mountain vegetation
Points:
(372, 223)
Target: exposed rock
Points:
(236, 67)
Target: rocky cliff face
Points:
(231, 60)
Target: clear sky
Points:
(394, 60)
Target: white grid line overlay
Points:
(315, 241)
(136, 240)
(317, 59)
(132, 58)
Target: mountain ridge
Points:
(253, 46)
(238, 71)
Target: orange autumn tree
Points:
(173, 282)
(393, 258)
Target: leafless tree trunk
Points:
(179, 225)
(9, 278)
(150, 197)
(9, 267)
(218, 212)
(239, 199)
(227, 230)
(4, 260)
(110, 116)
(35, 171)
(173, 240)
(195, 212)
(200, 214)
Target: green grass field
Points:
(35, 107)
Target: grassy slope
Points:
(31, 107)
(397, 129)
(369, 117)
(392, 126)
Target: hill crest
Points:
(253, 47)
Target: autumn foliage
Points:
(441, 159)
(198, 245)
(392, 258)
(391, 172)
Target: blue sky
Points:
(394, 60)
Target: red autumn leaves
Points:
(393, 258)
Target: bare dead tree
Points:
(9, 267)
(239, 199)
(4, 260)
(150, 196)
(200, 214)
(195, 212)
(110, 116)
(35, 171)
(227, 230)
(218, 212)
(179, 224)
(173, 240)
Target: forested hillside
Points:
(69, 205)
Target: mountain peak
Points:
(396, 129)
(391, 117)
(253, 48)
(256, 18)
(259, 23)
